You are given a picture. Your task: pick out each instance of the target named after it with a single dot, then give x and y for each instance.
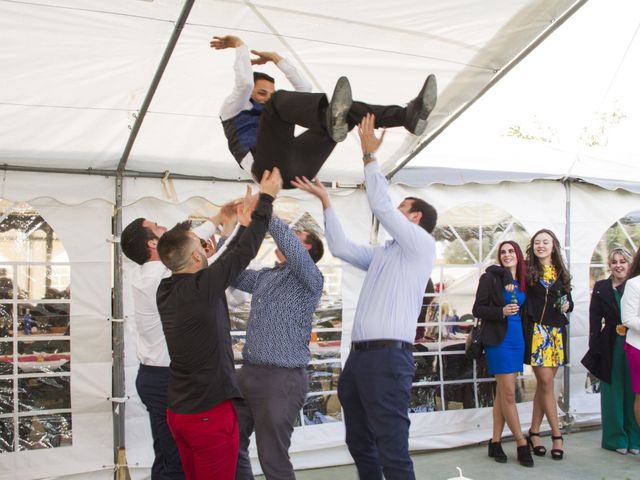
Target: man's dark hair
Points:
(133, 241)
(429, 214)
(262, 76)
(317, 248)
(175, 246)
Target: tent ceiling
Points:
(75, 72)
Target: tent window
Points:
(35, 342)
(467, 237)
(624, 233)
(321, 405)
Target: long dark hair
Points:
(634, 270)
(534, 267)
(521, 267)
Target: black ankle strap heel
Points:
(538, 451)
(557, 453)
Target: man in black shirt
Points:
(195, 320)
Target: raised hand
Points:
(314, 188)
(264, 57)
(228, 41)
(271, 182)
(246, 207)
(366, 131)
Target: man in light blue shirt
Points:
(375, 385)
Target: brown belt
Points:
(621, 330)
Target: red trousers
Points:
(207, 442)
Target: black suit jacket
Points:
(603, 305)
(489, 303)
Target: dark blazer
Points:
(489, 303)
(603, 305)
(539, 307)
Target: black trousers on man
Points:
(152, 384)
(304, 155)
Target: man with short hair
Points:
(139, 241)
(273, 378)
(195, 320)
(376, 410)
(259, 122)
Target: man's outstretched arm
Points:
(238, 100)
(359, 256)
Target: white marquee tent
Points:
(109, 113)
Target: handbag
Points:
(473, 346)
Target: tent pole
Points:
(173, 40)
(566, 395)
(117, 341)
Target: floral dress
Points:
(547, 348)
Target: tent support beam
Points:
(497, 77)
(168, 51)
(566, 394)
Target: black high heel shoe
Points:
(524, 456)
(557, 453)
(496, 452)
(538, 451)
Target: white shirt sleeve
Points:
(299, 83)
(359, 256)
(238, 100)
(411, 237)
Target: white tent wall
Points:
(536, 204)
(84, 227)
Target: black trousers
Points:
(304, 155)
(152, 384)
(273, 398)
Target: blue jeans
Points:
(375, 390)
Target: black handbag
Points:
(473, 346)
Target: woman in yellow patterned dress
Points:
(548, 300)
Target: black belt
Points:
(378, 344)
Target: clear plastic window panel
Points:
(34, 368)
(6, 434)
(318, 409)
(44, 356)
(427, 367)
(6, 282)
(36, 282)
(425, 399)
(45, 431)
(323, 377)
(44, 393)
(6, 320)
(6, 396)
(43, 319)
(6, 358)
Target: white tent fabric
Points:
(75, 73)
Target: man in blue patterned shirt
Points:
(273, 378)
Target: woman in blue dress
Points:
(501, 292)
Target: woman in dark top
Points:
(548, 300)
(606, 347)
(500, 293)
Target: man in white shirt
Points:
(139, 241)
(259, 122)
(375, 384)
